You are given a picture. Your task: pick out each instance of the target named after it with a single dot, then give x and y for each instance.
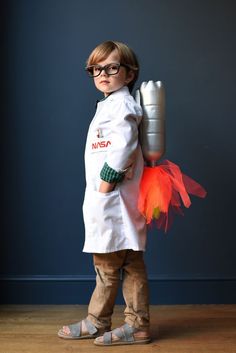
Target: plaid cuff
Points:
(110, 175)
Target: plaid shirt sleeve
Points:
(110, 175)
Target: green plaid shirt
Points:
(110, 175)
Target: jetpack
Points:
(164, 189)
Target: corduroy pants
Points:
(109, 268)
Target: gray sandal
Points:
(125, 335)
(75, 331)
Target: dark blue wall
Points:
(46, 106)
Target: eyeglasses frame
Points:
(101, 68)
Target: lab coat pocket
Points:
(105, 216)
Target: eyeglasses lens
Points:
(112, 69)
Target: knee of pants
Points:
(108, 278)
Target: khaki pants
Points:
(135, 288)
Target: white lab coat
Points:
(112, 220)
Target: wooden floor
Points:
(174, 329)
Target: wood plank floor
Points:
(174, 329)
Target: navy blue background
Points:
(47, 102)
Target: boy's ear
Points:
(129, 77)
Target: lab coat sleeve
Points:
(126, 117)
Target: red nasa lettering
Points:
(100, 144)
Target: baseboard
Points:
(78, 289)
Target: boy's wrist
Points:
(106, 187)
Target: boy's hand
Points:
(106, 187)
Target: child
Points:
(115, 231)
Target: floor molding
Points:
(76, 289)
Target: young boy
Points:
(115, 231)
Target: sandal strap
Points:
(107, 338)
(75, 329)
(124, 333)
(129, 332)
(90, 327)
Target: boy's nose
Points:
(103, 73)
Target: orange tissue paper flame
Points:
(163, 190)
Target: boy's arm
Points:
(106, 187)
(124, 142)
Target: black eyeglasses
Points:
(110, 69)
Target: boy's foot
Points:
(123, 335)
(80, 330)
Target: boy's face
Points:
(111, 83)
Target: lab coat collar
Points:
(122, 92)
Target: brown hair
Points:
(127, 57)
